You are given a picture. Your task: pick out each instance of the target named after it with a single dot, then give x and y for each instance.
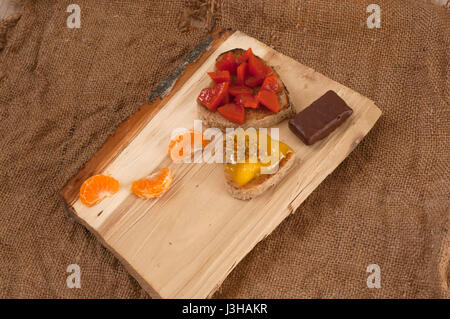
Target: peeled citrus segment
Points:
(184, 143)
(96, 188)
(154, 185)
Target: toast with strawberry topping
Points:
(246, 92)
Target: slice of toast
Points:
(256, 118)
(261, 183)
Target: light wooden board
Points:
(184, 244)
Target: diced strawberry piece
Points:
(220, 76)
(227, 63)
(211, 97)
(233, 112)
(206, 97)
(271, 83)
(226, 99)
(239, 89)
(241, 71)
(253, 81)
(257, 67)
(269, 99)
(247, 100)
(243, 58)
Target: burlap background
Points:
(63, 91)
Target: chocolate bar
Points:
(321, 118)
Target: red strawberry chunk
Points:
(269, 99)
(211, 97)
(233, 112)
(247, 100)
(271, 83)
(257, 67)
(254, 81)
(241, 71)
(220, 76)
(243, 58)
(239, 89)
(227, 63)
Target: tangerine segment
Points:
(154, 185)
(96, 188)
(185, 142)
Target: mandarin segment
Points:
(96, 188)
(154, 185)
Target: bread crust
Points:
(259, 186)
(256, 118)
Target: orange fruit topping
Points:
(185, 142)
(96, 188)
(154, 185)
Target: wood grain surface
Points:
(184, 244)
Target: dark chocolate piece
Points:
(321, 118)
